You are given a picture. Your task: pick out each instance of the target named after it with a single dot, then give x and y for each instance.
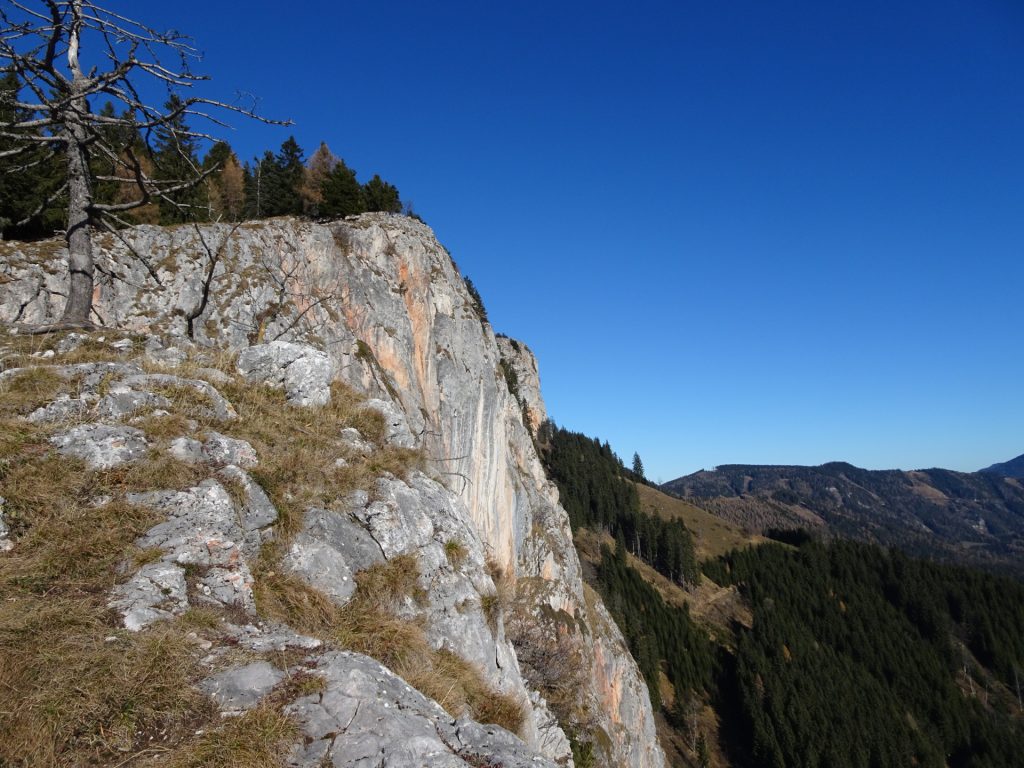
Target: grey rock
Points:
(201, 526)
(552, 740)
(88, 375)
(63, 409)
(517, 355)
(397, 427)
(328, 552)
(102, 446)
(214, 376)
(367, 716)
(220, 450)
(492, 745)
(156, 592)
(186, 449)
(6, 545)
(304, 372)
(71, 342)
(270, 636)
(257, 510)
(202, 530)
(240, 688)
(119, 405)
(122, 345)
(171, 357)
(354, 442)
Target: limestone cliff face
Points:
(387, 304)
(527, 376)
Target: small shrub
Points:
(490, 604)
(455, 551)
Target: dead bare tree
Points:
(44, 42)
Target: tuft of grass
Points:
(18, 436)
(141, 557)
(461, 689)
(200, 618)
(165, 428)
(159, 470)
(186, 402)
(455, 551)
(27, 390)
(490, 604)
(258, 739)
(501, 599)
(389, 583)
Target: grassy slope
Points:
(713, 536)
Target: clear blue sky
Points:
(736, 231)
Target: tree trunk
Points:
(79, 237)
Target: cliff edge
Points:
(365, 315)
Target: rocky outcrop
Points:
(523, 364)
(384, 309)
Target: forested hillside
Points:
(855, 656)
(860, 657)
(972, 518)
(1011, 468)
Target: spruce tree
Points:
(638, 466)
(381, 196)
(343, 195)
(283, 180)
(176, 159)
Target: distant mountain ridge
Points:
(1011, 468)
(974, 518)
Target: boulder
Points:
(305, 373)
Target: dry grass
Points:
(165, 428)
(258, 739)
(490, 604)
(19, 349)
(459, 687)
(77, 688)
(17, 436)
(159, 471)
(27, 390)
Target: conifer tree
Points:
(175, 160)
(282, 180)
(638, 466)
(381, 196)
